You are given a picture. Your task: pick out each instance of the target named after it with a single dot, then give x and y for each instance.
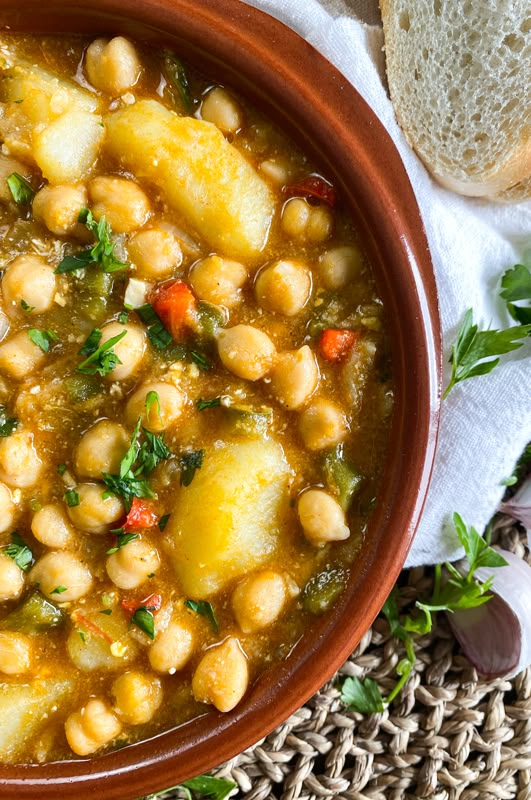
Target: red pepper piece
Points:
(313, 186)
(152, 603)
(335, 344)
(175, 304)
(140, 515)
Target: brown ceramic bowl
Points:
(308, 97)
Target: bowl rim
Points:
(348, 141)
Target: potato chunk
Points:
(67, 148)
(23, 711)
(202, 176)
(236, 500)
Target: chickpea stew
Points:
(195, 395)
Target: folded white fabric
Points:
(486, 421)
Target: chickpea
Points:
(51, 527)
(130, 349)
(156, 253)
(92, 727)
(162, 413)
(322, 425)
(218, 280)
(222, 675)
(7, 508)
(11, 579)
(101, 449)
(277, 170)
(221, 109)
(246, 351)
(340, 266)
(57, 570)
(58, 207)
(121, 201)
(32, 279)
(15, 653)
(258, 600)
(172, 649)
(295, 377)
(94, 512)
(130, 566)
(19, 356)
(112, 66)
(137, 697)
(300, 220)
(322, 518)
(20, 466)
(284, 287)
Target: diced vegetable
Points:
(140, 515)
(105, 642)
(341, 477)
(24, 709)
(175, 304)
(236, 500)
(323, 589)
(335, 344)
(36, 614)
(81, 387)
(248, 421)
(202, 176)
(209, 319)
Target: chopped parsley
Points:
(106, 611)
(201, 404)
(151, 399)
(190, 463)
(200, 360)
(158, 335)
(121, 540)
(59, 590)
(21, 191)
(71, 498)
(123, 316)
(42, 339)
(101, 253)
(19, 551)
(163, 521)
(103, 359)
(7, 424)
(61, 469)
(204, 609)
(137, 464)
(26, 307)
(143, 618)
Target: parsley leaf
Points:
(26, 307)
(21, 191)
(204, 609)
(189, 463)
(42, 339)
(7, 424)
(178, 85)
(19, 551)
(202, 404)
(103, 360)
(200, 360)
(71, 498)
(158, 335)
(207, 786)
(516, 285)
(143, 618)
(91, 343)
(127, 487)
(362, 695)
(101, 253)
(59, 590)
(122, 540)
(473, 346)
(163, 521)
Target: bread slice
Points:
(459, 79)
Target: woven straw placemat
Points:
(448, 736)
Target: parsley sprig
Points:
(451, 591)
(203, 786)
(137, 465)
(102, 251)
(19, 551)
(472, 351)
(100, 360)
(516, 286)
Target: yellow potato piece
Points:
(24, 709)
(226, 522)
(67, 148)
(201, 175)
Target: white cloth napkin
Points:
(486, 421)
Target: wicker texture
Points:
(449, 736)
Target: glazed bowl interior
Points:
(292, 83)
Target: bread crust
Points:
(460, 91)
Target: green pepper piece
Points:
(81, 387)
(210, 318)
(323, 589)
(93, 290)
(248, 421)
(341, 477)
(36, 614)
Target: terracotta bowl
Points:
(309, 98)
